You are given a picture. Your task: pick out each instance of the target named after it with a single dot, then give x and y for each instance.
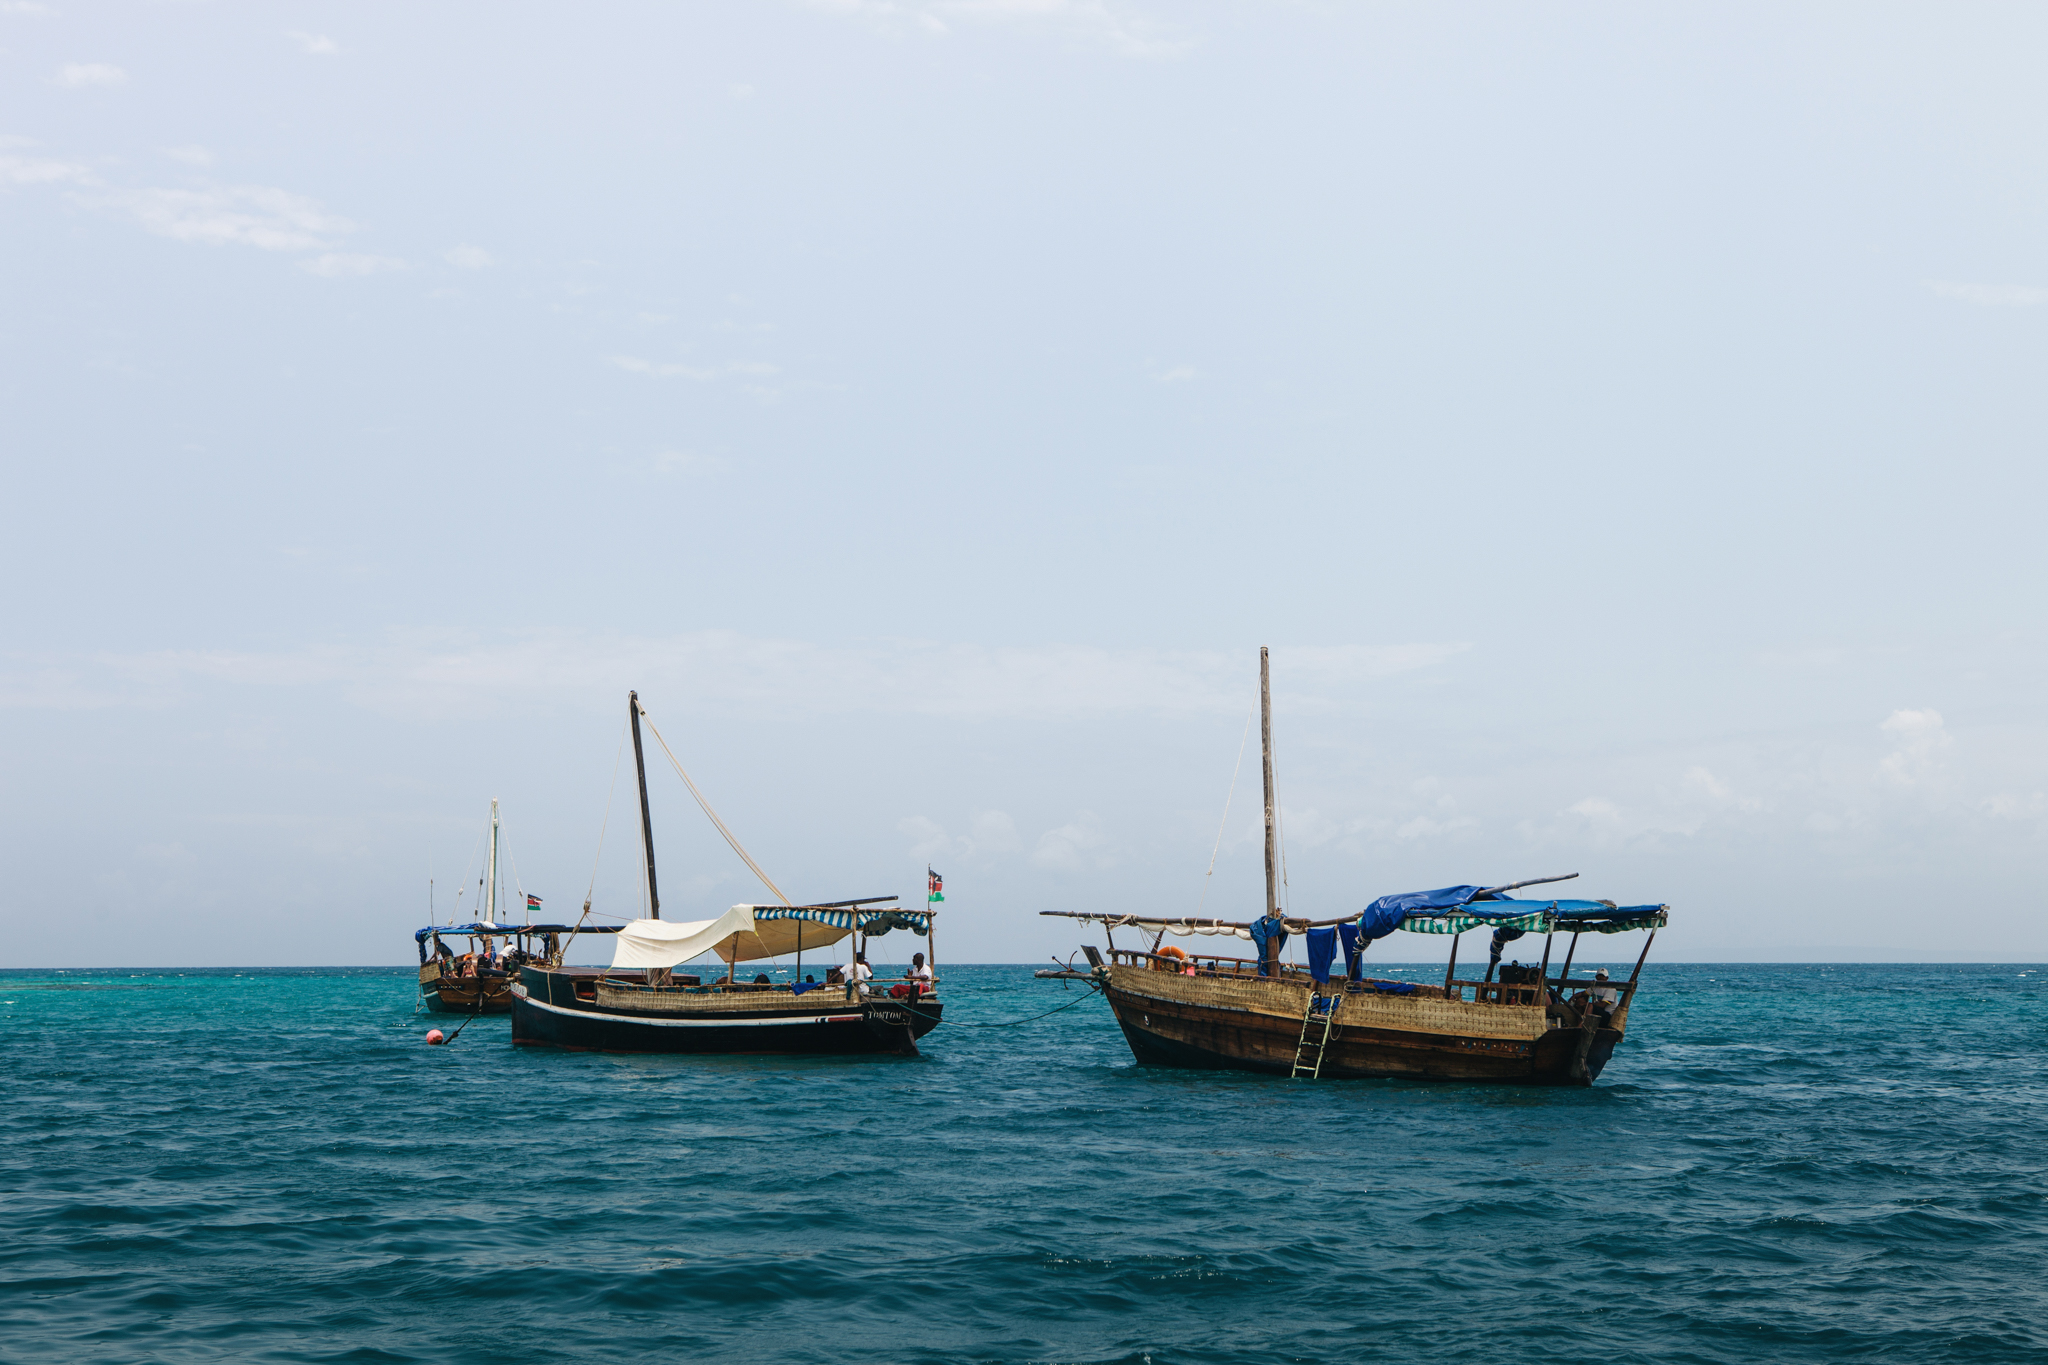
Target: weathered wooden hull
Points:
(496, 998)
(548, 1010)
(1251, 1025)
(447, 993)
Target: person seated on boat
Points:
(1603, 995)
(858, 973)
(761, 979)
(918, 971)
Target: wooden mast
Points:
(1272, 952)
(646, 821)
(491, 875)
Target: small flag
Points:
(938, 885)
(533, 902)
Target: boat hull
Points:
(451, 997)
(447, 992)
(547, 1011)
(1167, 1025)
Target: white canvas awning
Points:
(781, 937)
(665, 942)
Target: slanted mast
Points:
(646, 820)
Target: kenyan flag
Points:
(938, 884)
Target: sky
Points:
(1624, 423)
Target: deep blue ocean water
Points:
(1782, 1163)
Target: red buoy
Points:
(434, 1036)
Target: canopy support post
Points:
(1543, 972)
(1451, 969)
(1570, 952)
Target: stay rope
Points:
(712, 814)
(1228, 797)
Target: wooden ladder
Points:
(1327, 1017)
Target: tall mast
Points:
(646, 821)
(1266, 753)
(491, 878)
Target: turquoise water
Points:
(1783, 1163)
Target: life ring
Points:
(1158, 959)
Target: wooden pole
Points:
(1570, 953)
(1266, 761)
(1451, 969)
(1543, 972)
(646, 820)
(1271, 951)
(1639, 960)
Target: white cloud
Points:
(24, 7)
(1179, 374)
(702, 374)
(467, 257)
(30, 170)
(81, 75)
(316, 44)
(1073, 845)
(1990, 295)
(991, 833)
(247, 215)
(336, 264)
(1922, 742)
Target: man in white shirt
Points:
(1603, 995)
(918, 971)
(858, 974)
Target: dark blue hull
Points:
(547, 1011)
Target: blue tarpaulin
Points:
(1384, 915)
(1354, 953)
(1452, 908)
(1264, 929)
(1322, 946)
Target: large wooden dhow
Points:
(640, 1004)
(1521, 1026)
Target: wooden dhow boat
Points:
(1523, 1027)
(639, 1004)
(479, 979)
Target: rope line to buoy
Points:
(464, 1024)
(1009, 1023)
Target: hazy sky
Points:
(1625, 424)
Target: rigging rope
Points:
(609, 793)
(712, 814)
(1225, 822)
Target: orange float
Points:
(1159, 964)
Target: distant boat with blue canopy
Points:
(1328, 1019)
